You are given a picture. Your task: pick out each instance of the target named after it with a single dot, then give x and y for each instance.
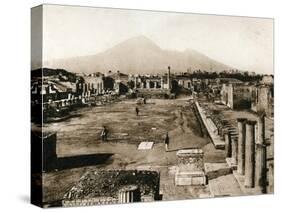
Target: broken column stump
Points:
(129, 193)
(190, 167)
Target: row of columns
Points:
(146, 84)
(248, 152)
(97, 87)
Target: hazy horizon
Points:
(240, 42)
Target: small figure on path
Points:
(144, 100)
(104, 134)
(167, 141)
(137, 111)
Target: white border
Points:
(14, 87)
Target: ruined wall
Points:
(264, 100)
(237, 96)
(224, 94)
(90, 201)
(103, 186)
(242, 97)
(94, 84)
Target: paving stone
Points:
(225, 186)
(145, 145)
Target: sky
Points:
(241, 42)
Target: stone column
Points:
(84, 86)
(162, 83)
(169, 78)
(241, 145)
(98, 88)
(260, 178)
(250, 155)
(155, 84)
(227, 140)
(102, 86)
(136, 81)
(147, 84)
(129, 193)
(234, 149)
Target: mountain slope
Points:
(139, 55)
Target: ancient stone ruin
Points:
(190, 167)
(248, 154)
(114, 186)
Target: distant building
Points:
(237, 96)
(185, 82)
(154, 81)
(51, 90)
(93, 83)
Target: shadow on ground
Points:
(82, 160)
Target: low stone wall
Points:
(90, 201)
(211, 127)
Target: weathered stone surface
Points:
(241, 145)
(96, 184)
(190, 178)
(214, 170)
(250, 155)
(224, 186)
(191, 167)
(129, 193)
(190, 160)
(145, 145)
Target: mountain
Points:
(139, 55)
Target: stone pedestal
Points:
(190, 167)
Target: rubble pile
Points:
(107, 183)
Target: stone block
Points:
(145, 145)
(190, 178)
(191, 167)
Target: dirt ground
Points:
(81, 136)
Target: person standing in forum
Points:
(137, 111)
(104, 134)
(167, 141)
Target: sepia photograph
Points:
(140, 106)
